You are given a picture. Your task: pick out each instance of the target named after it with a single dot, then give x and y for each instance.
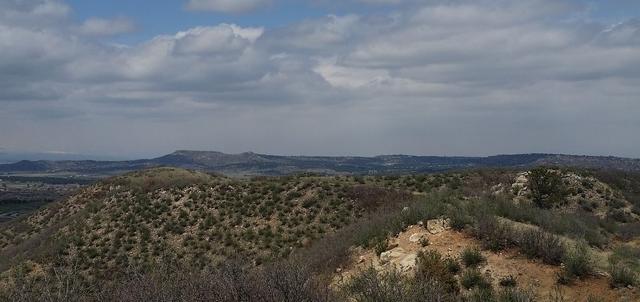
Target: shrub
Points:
(431, 267)
(624, 264)
(508, 281)
(452, 265)
(473, 278)
(516, 295)
(372, 286)
(622, 276)
(540, 244)
(547, 187)
(424, 241)
(381, 245)
(472, 257)
(494, 235)
(480, 294)
(458, 220)
(578, 262)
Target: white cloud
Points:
(106, 27)
(226, 6)
(447, 77)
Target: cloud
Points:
(439, 77)
(106, 27)
(33, 13)
(226, 6)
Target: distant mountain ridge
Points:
(249, 163)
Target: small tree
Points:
(547, 188)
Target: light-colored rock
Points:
(408, 262)
(392, 255)
(436, 226)
(416, 237)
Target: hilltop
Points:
(261, 164)
(178, 234)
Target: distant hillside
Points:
(262, 164)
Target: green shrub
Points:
(540, 244)
(473, 278)
(452, 265)
(431, 267)
(624, 264)
(372, 286)
(472, 257)
(622, 276)
(458, 220)
(511, 294)
(547, 187)
(494, 235)
(577, 262)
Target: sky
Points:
(134, 78)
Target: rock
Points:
(338, 270)
(416, 237)
(392, 255)
(436, 226)
(408, 262)
(420, 223)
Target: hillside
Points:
(261, 164)
(150, 233)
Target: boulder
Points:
(408, 262)
(392, 255)
(436, 226)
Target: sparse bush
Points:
(508, 281)
(452, 265)
(624, 264)
(577, 262)
(372, 286)
(472, 257)
(622, 276)
(540, 244)
(424, 241)
(512, 294)
(431, 267)
(494, 235)
(473, 278)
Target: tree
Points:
(547, 187)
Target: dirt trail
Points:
(529, 273)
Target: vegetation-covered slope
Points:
(249, 163)
(115, 234)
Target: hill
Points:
(171, 234)
(261, 164)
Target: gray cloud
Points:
(106, 27)
(226, 6)
(445, 77)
